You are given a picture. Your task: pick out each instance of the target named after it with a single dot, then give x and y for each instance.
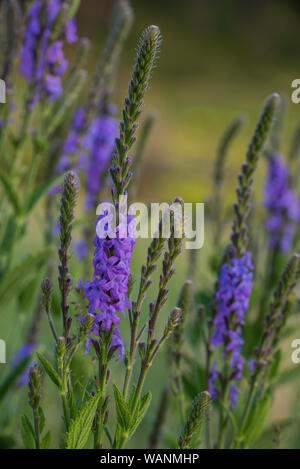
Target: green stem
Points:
(103, 361)
(36, 428)
(65, 408)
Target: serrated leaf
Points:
(140, 412)
(45, 444)
(53, 375)
(27, 433)
(122, 409)
(81, 426)
(10, 192)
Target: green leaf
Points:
(73, 9)
(140, 412)
(289, 375)
(45, 444)
(27, 433)
(41, 419)
(41, 191)
(72, 404)
(257, 420)
(231, 416)
(122, 409)
(20, 275)
(80, 427)
(12, 377)
(266, 440)
(9, 234)
(109, 435)
(131, 396)
(275, 364)
(10, 192)
(84, 394)
(53, 375)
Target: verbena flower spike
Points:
(235, 278)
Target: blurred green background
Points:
(218, 59)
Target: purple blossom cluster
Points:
(42, 60)
(107, 292)
(71, 144)
(98, 144)
(232, 300)
(21, 354)
(94, 148)
(281, 203)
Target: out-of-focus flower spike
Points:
(35, 384)
(68, 97)
(194, 423)
(10, 31)
(122, 20)
(160, 419)
(141, 145)
(228, 136)
(82, 52)
(277, 315)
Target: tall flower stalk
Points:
(235, 280)
(117, 252)
(274, 322)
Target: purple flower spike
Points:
(232, 300)
(98, 145)
(281, 203)
(42, 61)
(21, 354)
(107, 292)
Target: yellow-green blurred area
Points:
(218, 59)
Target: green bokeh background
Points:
(218, 59)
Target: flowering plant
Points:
(104, 309)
